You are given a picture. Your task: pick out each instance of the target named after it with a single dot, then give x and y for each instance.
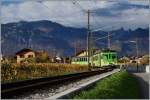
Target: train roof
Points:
(105, 51)
(108, 50)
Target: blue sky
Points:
(120, 13)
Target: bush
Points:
(29, 60)
(8, 72)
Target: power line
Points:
(41, 2)
(88, 32)
(82, 9)
(105, 36)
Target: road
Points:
(143, 79)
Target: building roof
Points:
(95, 51)
(82, 51)
(24, 51)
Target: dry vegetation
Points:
(14, 72)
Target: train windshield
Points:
(114, 56)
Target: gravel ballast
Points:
(49, 91)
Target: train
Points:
(98, 59)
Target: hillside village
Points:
(27, 55)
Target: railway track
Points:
(20, 87)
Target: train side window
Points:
(77, 60)
(80, 59)
(85, 59)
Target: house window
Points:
(21, 56)
(30, 56)
(84, 59)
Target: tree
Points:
(42, 57)
(29, 60)
(145, 60)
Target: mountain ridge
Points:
(52, 36)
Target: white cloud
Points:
(69, 14)
(140, 2)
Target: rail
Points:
(9, 89)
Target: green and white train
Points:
(98, 59)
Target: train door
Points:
(110, 58)
(114, 58)
(104, 59)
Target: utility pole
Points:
(137, 53)
(88, 40)
(109, 40)
(92, 48)
(75, 49)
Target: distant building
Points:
(82, 53)
(23, 54)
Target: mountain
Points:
(54, 37)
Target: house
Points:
(82, 53)
(23, 54)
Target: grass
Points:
(16, 72)
(120, 85)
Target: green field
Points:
(120, 85)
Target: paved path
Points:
(143, 79)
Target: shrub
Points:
(8, 72)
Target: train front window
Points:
(113, 56)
